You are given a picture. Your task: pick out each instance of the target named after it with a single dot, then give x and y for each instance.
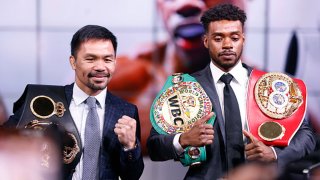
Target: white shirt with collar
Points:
(79, 111)
(239, 84)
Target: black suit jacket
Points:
(114, 161)
(161, 147)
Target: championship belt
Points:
(180, 103)
(45, 109)
(276, 107)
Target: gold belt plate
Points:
(277, 95)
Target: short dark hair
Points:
(89, 32)
(223, 12)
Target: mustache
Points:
(227, 52)
(99, 74)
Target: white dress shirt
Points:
(79, 111)
(239, 84)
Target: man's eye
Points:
(108, 60)
(235, 39)
(217, 39)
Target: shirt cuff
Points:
(177, 145)
(274, 152)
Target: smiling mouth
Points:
(98, 75)
(98, 79)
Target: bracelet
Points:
(128, 149)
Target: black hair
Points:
(223, 12)
(89, 32)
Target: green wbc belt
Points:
(179, 104)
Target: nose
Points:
(99, 65)
(189, 11)
(227, 43)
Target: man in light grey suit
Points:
(224, 38)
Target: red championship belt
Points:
(276, 107)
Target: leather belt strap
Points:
(46, 104)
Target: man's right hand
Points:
(199, 135)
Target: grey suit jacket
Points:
(160, 147)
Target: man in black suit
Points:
(93, 58)
(224, 38)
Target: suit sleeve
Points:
(302, 143)
(160, 146)
(131, 161)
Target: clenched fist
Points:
(125, 129)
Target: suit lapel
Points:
(249, 69)
(109, 112)
(204, 77)
(111, 117)
(69, 91)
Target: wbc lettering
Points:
(175, 110)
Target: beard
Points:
(100, 85)
(95, 86)
(226, 63)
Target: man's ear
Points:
(244, 38)
(205, 40)
(72, 61)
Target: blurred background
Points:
(35, 35)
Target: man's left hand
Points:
(257, 150)
(125, 129)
